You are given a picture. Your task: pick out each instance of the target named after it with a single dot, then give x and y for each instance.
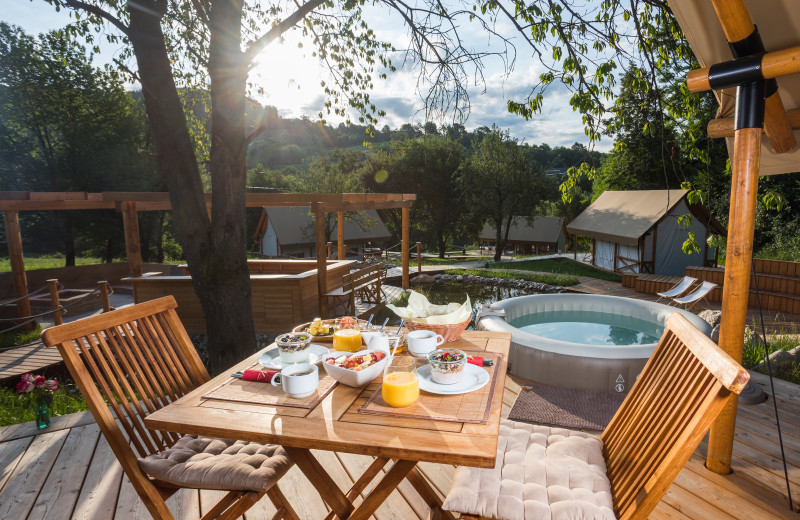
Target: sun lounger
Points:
(679, 289)
(696, 297)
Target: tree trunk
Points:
(216, 257)
(69, 242)
(109, 250)
(160, 235)
(499, 244)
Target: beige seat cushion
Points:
(542, 473)
(207, 463)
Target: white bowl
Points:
(350, 377)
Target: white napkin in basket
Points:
(422, 311)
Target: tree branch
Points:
(276, 31)
(95, 10)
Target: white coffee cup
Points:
(422, 342)
(299, 380)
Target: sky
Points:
(291, 79)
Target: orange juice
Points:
(400, 389)
(347, 339)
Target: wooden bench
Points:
(365, 284)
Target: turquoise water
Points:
(590, 328)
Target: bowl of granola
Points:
(447, 365)
(293, 347)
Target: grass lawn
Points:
(551, 279)
(18, 408)
(47, 262)
(19, 337)
(559, 266)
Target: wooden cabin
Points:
(289, 231)
(537, 236)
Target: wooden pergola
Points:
(130, 203)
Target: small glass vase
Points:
(42, 410)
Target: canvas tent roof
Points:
(779, 24)
(624, 216)
(294, 225)
(544, 229)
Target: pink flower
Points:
(52, 384)
(39, 382)
(28, 378)
(24, 386)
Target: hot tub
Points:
(580, 340)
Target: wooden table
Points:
(336, 425)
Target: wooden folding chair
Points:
(136, 360)
(680, 288)
(625, 472)
(698, 296)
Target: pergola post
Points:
(405, 247)
(736, 287)
(322, 267)
(341, 252)
(419, 257)
(130, 222)
(14, 237)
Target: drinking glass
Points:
(347, 336)
(400, 385)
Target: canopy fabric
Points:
(624, 216)
(778, 22)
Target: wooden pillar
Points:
(322, 265)
(329, 250)
(55, 301)
(736, 287)
(594, 251)
(340, 248)
(575, 247)
(17, 260)
(130, 222)
(405, 247)
(419, 257)
(104, 299)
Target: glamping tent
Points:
(285, 230)
(640, 232)
(543, 235)
(749, 53)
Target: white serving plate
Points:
(474, 378)
(271, 358)
(351, 377)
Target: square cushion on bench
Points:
(208, 463)
(542, 473)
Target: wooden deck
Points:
(69, 471)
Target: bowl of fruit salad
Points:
(447, 365)
(355, 369)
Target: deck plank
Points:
(62, 488)
(100, 490)
(11, 453)
(20, 491)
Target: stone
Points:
(711, 317)
(423, 278)
(777, 359)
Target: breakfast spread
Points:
(357, 362)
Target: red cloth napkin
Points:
(475, 360)
(261, 376)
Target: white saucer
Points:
(474, 378)
(271, 358)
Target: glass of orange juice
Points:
(347, 335)
(400, 386)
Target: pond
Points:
(444, 293)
